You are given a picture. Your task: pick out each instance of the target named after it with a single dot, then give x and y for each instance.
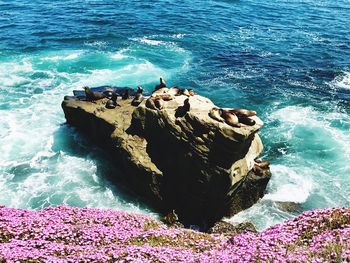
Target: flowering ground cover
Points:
(69, 234)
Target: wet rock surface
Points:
(177, 157)
(290, 207)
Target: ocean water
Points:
(288, 60)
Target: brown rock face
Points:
(178, 157)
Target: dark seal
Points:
(93, 96)
(161, 84)
(138, 97)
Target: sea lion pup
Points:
(150, 103)
(185, 92)
(230, 118)
(243, 112)
(138, 97)
(162, 84)
(191, 92)
(92, 96)
(215, 114)
(155, 103)
(115, 97)
(160, 91)
(110, 104)
(108, 93)
(165, 97)
(262, 164)
(126, 94)
(159, 103)
(174, 91)
(246, 120)
(171, 218)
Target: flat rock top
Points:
(199, 108)
(120, 116)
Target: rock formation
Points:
(178, 157)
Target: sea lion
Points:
(126, 94)
(258, 170)
(187, 104)
(159, 103)
(191, 92)
(108, 94)
(243, 112)
(93, 96)
(262, 164)
(115, 97)
(110, 104)
(165, 97)
(162, 84)
(160, 92)
(186, 92)
(138, 97)
(139, 89)
(182, 110)
(230, 118)
(246, 121)
(215, 114)
(150, 103)
(174, 91)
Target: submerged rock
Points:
(290, 207)
(189, 162)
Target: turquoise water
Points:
(288, 60)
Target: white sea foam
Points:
(12, 73)
(289, 185)
(153, 42)
(97, 44)
(266, 54)
(311, 169)
(342, 81)
(178, 36)
(321, 124)
(38, 168)
(71, 56)
(120, 55)
(263, 214)
(130, 75)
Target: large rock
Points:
(198, 166)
